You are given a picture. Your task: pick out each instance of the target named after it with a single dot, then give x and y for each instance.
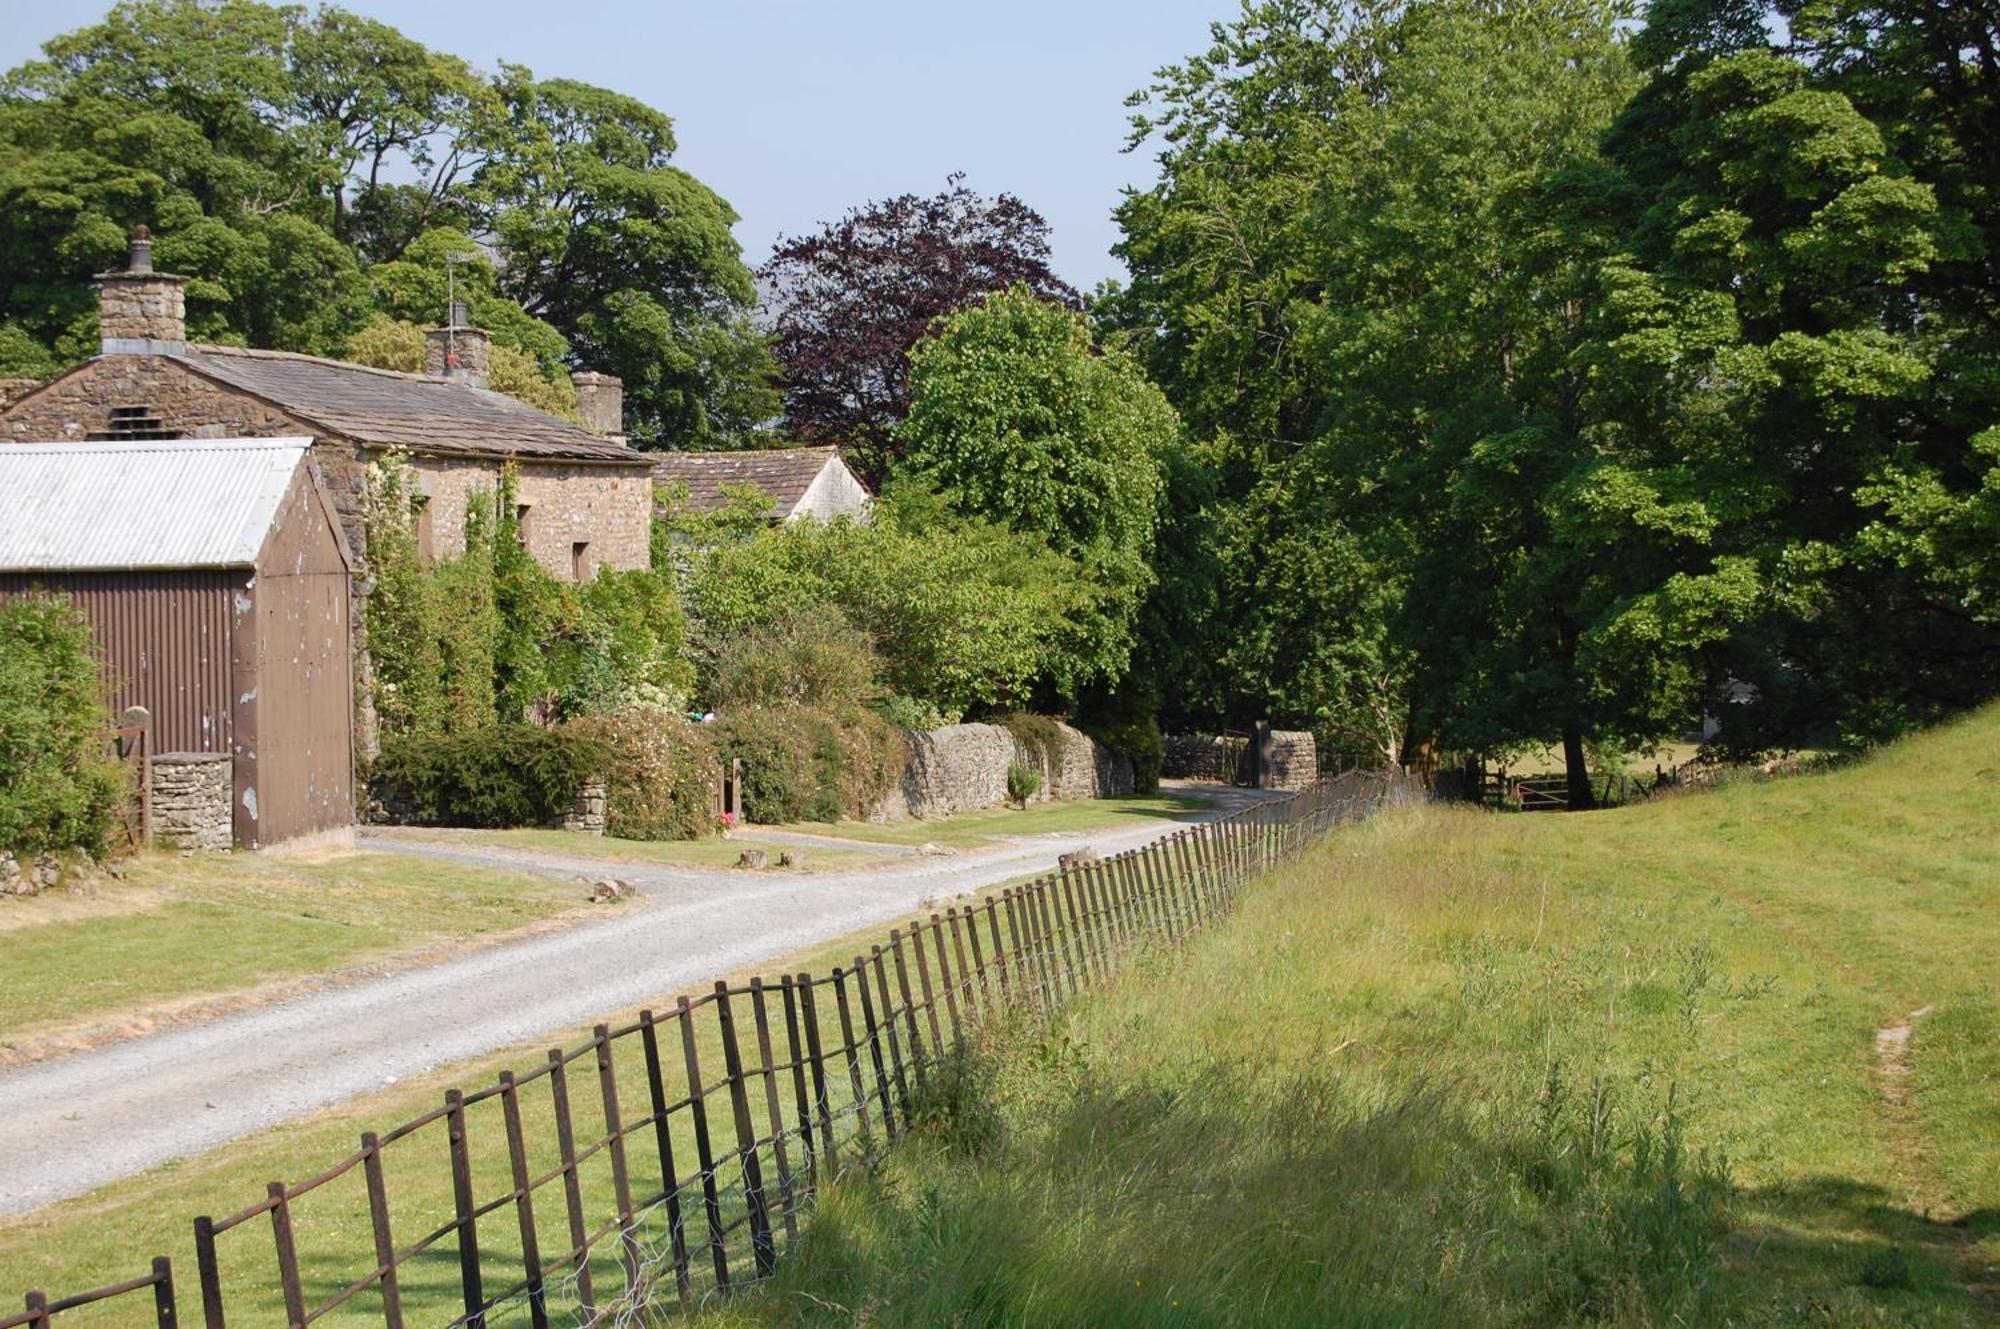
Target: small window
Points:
(522, 512)
(138, 422)
(579, 561)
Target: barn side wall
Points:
(300, 775)
(164, 638)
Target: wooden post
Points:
(166, 1315)
(524, 1200)
(774, 1114)
(924, 985)
(809, 1016)
(853, 1055)
(288, 1256)
(38, 1309)
(945, 983)
(999, 951)
(210, 1275)
(761, 1248)
(378, 1222)
(802, 1103)
(579, 1233)
(621, 1178)
(860, 972)
(704, 1152)
(888, 1027)
(663, 1139)
(966, 993)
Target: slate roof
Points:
(783, 474)
(418, 412)
(118, 506)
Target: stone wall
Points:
(1217, 759)
(190, 800)
(1226, 759)
(587, 814)
(607, 508)
(963, 768)
(1294, 760)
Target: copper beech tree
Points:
(850, 300)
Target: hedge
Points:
(60, 787)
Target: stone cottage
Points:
(800, 482)
(583, 497)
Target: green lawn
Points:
(111, 1234)
(971, 829)
(1459, 1068)
(180, 931)
(716, 853)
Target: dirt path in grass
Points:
(1950, 1240)
(73, 1123)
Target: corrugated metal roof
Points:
(180, 503)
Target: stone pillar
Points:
(587, 813)
(191, 796)
(457, 352)
(600, 400)
(140, 311)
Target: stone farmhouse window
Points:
(138, 422)
(426, 529)
(579, 561)
(522, 511)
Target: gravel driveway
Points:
(74, 1123)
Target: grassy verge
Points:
(178, 931)
(1457, 1068)
(717, 853)
(112, 1233)
(970, 829)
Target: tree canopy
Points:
(851, 300)
(312, 169)
(1634, 380)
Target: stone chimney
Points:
(458, 350)
(600, 400)
(140, 311)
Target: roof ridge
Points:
(272, 443)
(258, 353)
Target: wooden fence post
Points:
(762, 1249)
(378, 1222)
(210, 1274)
(621, 1179)
(774, 1113)
(703, 1147)
(579, 1232)
(288, 1256)
(524, 1201)
(166, 1314)
(663, 1140)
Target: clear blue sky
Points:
(796, 111)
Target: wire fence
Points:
(673, 1158)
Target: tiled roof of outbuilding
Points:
(783, 474)
(419, 412)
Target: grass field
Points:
(970, 829)
(1644, 1067)
(180, 931)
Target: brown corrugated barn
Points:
(216, 577)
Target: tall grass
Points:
(1459, 1069)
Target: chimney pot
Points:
(600, 400)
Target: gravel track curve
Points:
(74, 1123)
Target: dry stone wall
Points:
(1217, 759)
(190, 800)
(963, 768)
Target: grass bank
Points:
(1650, 1066)
(181, 932)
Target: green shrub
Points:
(810, 657)
(805, 765)
(658, 781)
(1023, 783)
(493, 776)
(1041, 737)
(912, 714)
(1137, 738)
(60, 787)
